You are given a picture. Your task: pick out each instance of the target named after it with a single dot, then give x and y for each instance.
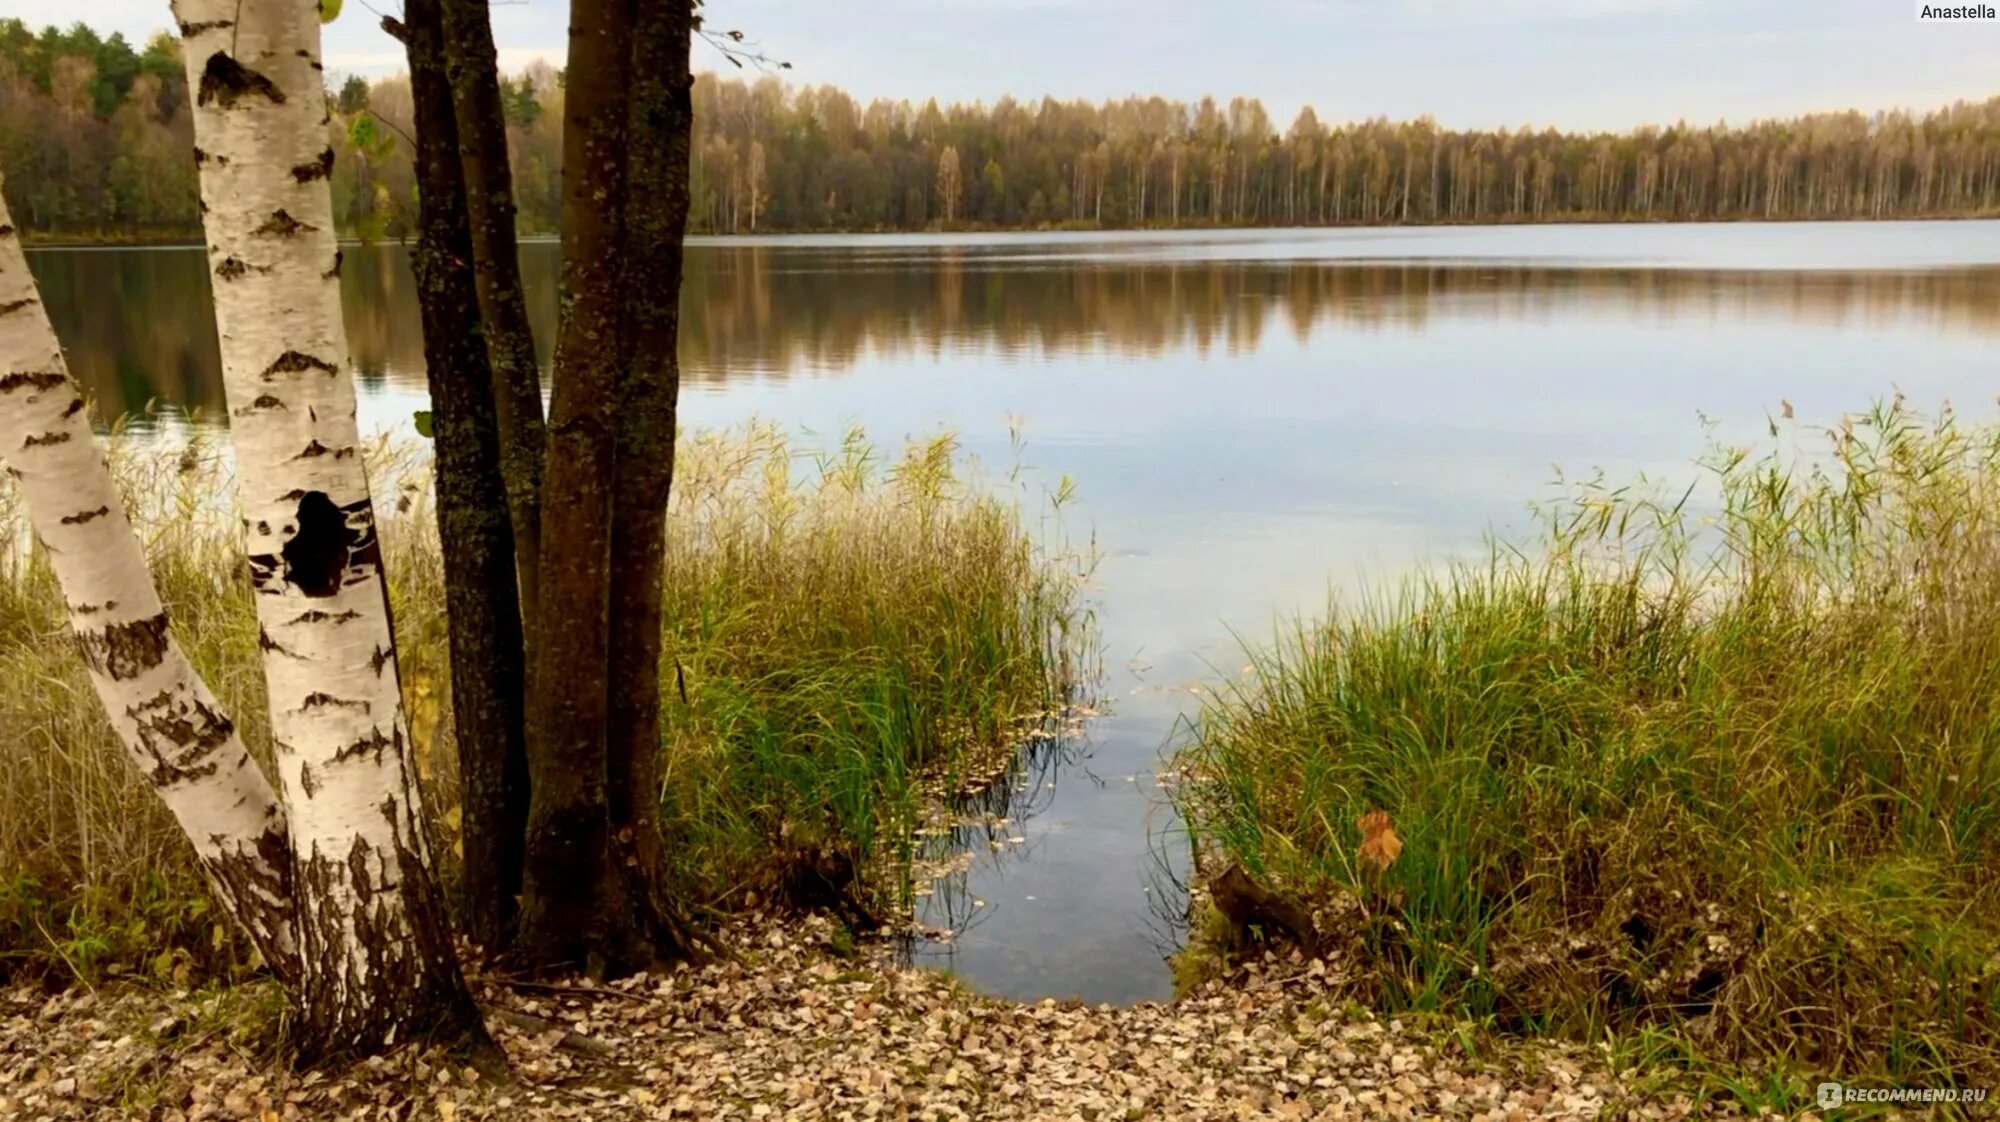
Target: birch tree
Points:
(179, 738)
(375, 949)
(950, 182)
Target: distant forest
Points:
(95, 142)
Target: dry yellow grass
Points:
(842, 624)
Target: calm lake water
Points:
(1254, 420)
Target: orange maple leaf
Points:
(1379, 843)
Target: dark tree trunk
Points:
(662, 115)
(473, 528)
(489, 193)
(568, 825)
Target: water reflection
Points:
(980, 833)
(138, 325)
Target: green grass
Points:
(854, 635)
(851, 649)
(1729, 781)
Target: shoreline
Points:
(189, 239)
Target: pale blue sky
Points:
(1475, 63)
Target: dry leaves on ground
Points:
(792, 1032)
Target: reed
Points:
(1714, 775)
(847, 635)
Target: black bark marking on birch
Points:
(235, 268)
(262, 403)
(190, 30)
(181, 734)
(282, 225)
(264, 570)
(381, 658)
(321, 168)
(335, 270)
(373, 745)
(324, 700)
(313, 450)
(317, 555)
(200, 156)
(266, 643)
(31, 380)
(92, 609)
(365, 557)
(297, 362)
(124, 651)
(12, 306)
(74, 407)
(226, 81)
(317, 616)
(255, 881)
(6, 231)
(358, 875)
(308, 782)
(43, 440)
(82, 517)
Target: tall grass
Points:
(1730, 780)
(849, 649)
(844, 634)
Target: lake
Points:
(1254, 420)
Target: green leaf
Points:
(423, 419)
(361, 132)
(329, 10)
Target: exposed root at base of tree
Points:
(788, 1030)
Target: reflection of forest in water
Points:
(136, 322)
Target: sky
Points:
(1575, 64)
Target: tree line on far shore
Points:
(96, 133)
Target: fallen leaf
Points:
(1379, 843)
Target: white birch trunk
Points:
(163, 712)
(376, 952)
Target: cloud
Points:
(1449, 14)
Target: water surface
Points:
(1254, 420)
